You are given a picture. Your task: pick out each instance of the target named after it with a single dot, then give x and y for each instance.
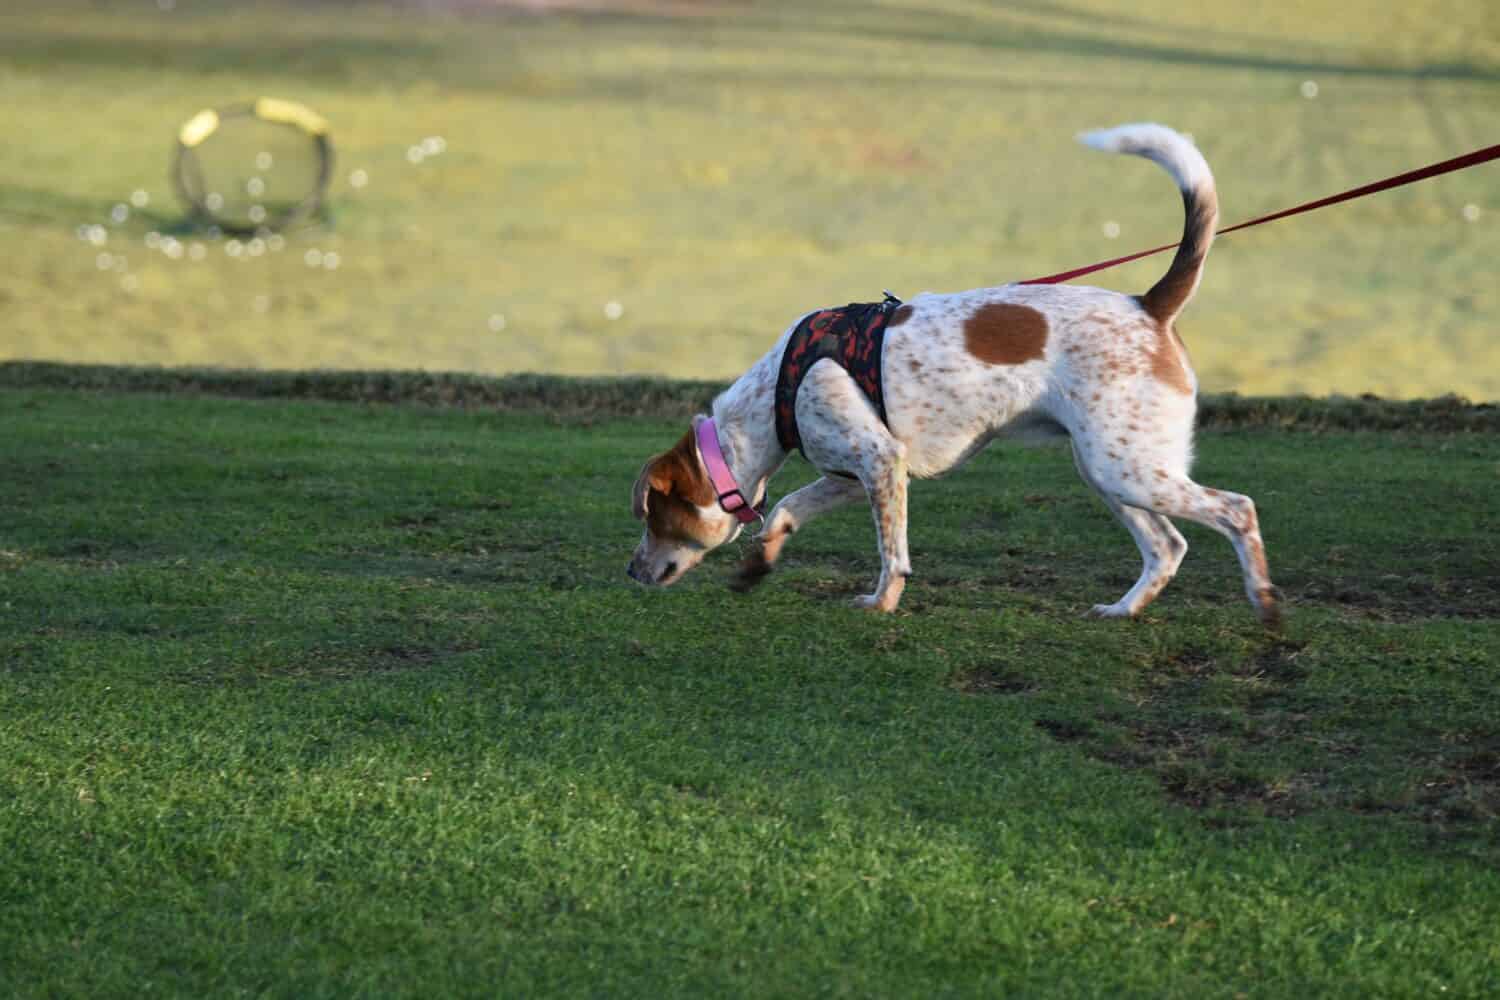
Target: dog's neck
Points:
(745, 416)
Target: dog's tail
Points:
(1199, 197)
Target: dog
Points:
(1106, 370)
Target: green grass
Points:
(716, 176)
(313, 699)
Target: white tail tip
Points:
(1171, 149)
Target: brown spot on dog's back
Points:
(1002, 333)
(901, 315)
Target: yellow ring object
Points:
(198, 128)
(188, 181)
(273, 109)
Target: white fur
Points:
(1159, 144)
(1110, 377)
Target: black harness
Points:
(851, 335)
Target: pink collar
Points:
(731, 499)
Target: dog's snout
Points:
(630, 570)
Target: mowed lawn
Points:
(310, 699)
(665, 194)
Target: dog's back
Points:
(1019, 359)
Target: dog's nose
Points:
(630, 571)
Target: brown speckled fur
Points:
(1107, 370)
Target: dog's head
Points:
(684, 521)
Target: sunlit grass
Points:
(715, 176)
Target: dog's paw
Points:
(1107, 611)
(875, 602)
(748, 577)
(1269, 611)
(1268, 601)
(755, 568)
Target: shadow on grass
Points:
(324, 57)
(40, 205)
(1095, 46)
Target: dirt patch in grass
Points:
(1277, 662)
(1464, 784)
(1207, 759)
(1229, 736)
(826, 588)
(1396, 597)
(996, 679)
(1066, 730)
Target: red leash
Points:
(1410, 177)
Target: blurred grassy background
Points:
(714, 171)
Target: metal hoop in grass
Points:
(209, 168)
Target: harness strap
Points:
(853, 336)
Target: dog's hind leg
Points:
(790, 513)
(1159, 482)
(1233, 516)
(1162, 548)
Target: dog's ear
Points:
(675, 471)
(651, 478)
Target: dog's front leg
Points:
(794, 510)
(841, 432)
(885, 477)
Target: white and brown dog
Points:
(1107, 370)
